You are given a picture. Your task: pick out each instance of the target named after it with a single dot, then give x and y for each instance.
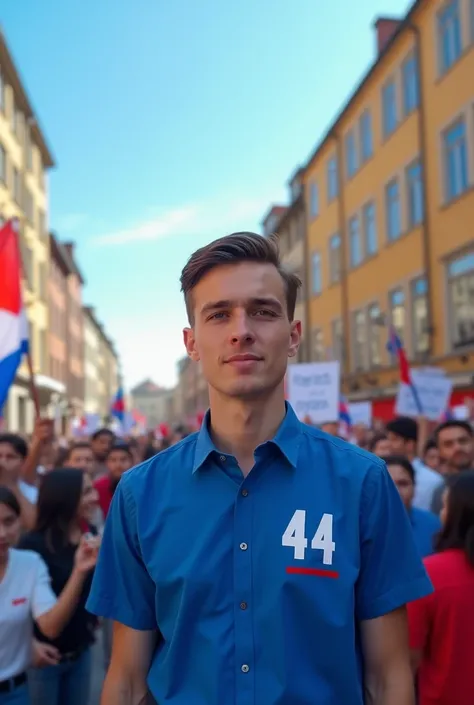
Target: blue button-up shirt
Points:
(425, 526)
(256, 585)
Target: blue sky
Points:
(174, 122)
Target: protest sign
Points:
(313, 390)
(361, 413)
(434, 391)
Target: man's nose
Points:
(241, 329)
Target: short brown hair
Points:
(234, 249)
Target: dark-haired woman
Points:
(442, 624)
(26, 598)
(66, 501)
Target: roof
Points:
(331, 132)
(147, 388)
(63, 254)
(276, 210)
(22, 101)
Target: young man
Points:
(13, 454)
(81, 456)
(425, 524)
(119, 459)
(259, 561)
(455, 442)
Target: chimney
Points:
(385, 28)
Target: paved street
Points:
(98, 671)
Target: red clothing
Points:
(442, 627)
(104, 490)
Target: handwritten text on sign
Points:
(313, 390)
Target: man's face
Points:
(403, 483)
(10, 461)
(118, 462)
(398, 445)
(456, 448)
(242, 335)
(82, 458)
(101, 445)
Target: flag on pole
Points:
(118, 405)
(13, 320)
(344, 413)
(395, 348)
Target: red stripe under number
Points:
(293, 570)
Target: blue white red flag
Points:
(13, 320)
(395, 348)
(118, 405)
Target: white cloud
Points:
(219, 214)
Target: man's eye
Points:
(264, 312)
(218, 315)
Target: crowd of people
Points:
(55, 497)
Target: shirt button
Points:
(243, 605)
(245, 668)
(222, 458)
(243, 546)
(245, 493)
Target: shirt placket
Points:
(243, 598)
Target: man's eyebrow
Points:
(227, 303)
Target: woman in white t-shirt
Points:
(26, 597)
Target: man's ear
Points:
(190, 344)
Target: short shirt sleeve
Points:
(420, 614)
(122, 589)
(391, 570)
(43, 598)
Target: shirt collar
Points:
(287, 439)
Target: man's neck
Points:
(238, 426)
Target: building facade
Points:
(101, 366)
(288, 223)
(389, 195)
(24, 161)
(152, 401)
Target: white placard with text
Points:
(313, 390)
(434, 391)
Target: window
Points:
(26, 261)
(415, 194)
(397, 312)
(314, 199)
(29, 150)
(337, 340)
(461, 300)
(2, 92)
(317, 352)
(316, 273)
(375, 333)
(370, 229)
(3, 164)
(456, 161)
(449, 35)
(43, 280)
(365, 132)
(471, 18)
(335, 258)
(16, 185)
(29, 205)
(419, 295)
(354, 242)
(411, 86)
(351, 155)
(360, 340)
(393, 210)
(389, 108)
(333, 179)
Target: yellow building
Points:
(389, 195)
(289, 223)
(24, 161)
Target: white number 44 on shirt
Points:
(295, 536)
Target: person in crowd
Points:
(425, 525)
(66, 499)
(27, 599)
(431, 455)
(455, 442)
(331, 428)
(41, 456)
(13, 452)
(442, 624)
(101, 442)
(258, 560)
(402, 434)
(80, 455)
(118, 460)
(135, 450)
(380, 445)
